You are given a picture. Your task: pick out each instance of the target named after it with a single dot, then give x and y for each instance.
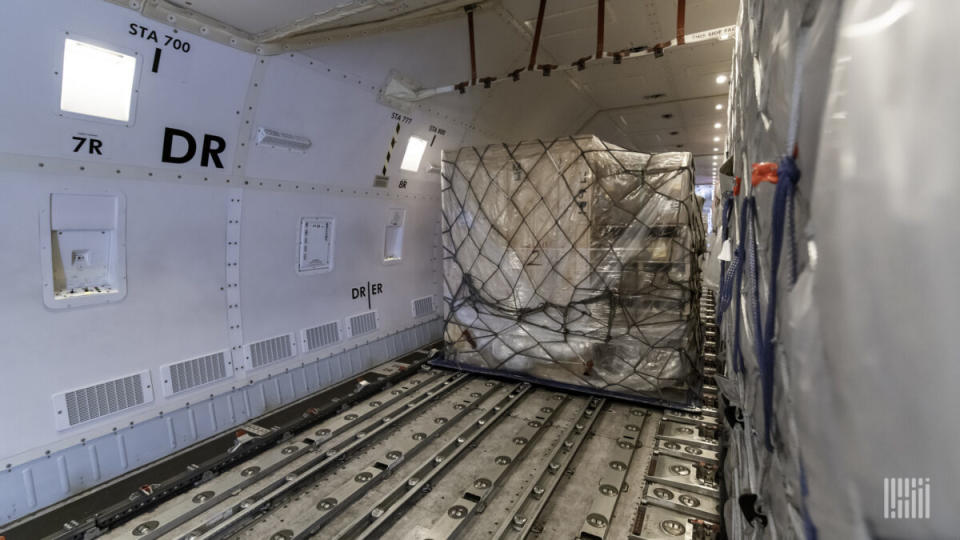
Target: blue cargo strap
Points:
(787, 177)
(733, 270)
(809, 529)
(725, 223)
(734, 280)
(753, 271)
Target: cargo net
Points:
(574, 263)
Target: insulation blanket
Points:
(574, 262)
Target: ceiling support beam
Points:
(536, 36)
(681, 19)
(601, 4)
(473, 47)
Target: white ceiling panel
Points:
(438, 57)
(262, 16)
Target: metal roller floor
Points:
(445, 454)
(434, 453)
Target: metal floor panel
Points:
(302, 512)
(445, 454)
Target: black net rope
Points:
(574, 262)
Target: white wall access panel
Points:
(315, 244)
(83, 249)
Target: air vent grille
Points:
(271, 350)
(106, 398)
(321, 336)
(197, 372)
(423, 306)
(363, 323)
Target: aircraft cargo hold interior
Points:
(478, 269)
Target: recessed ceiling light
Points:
(721, 79)
(716, 139)
(716, 149)
(717, 125)
(719, 107)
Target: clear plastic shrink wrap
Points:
(575, 263)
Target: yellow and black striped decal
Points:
(393, 143)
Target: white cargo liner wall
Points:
(180, 233)
(176, 308)
(276, 299)
(197, 91)
(344, 107)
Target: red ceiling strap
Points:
(536, 36)
(681, 16)
(473, 51)
(600, 6)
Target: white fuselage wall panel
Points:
(200, 91)
(174, 308)
(177, 221)
(350, 131)
(276, 300)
